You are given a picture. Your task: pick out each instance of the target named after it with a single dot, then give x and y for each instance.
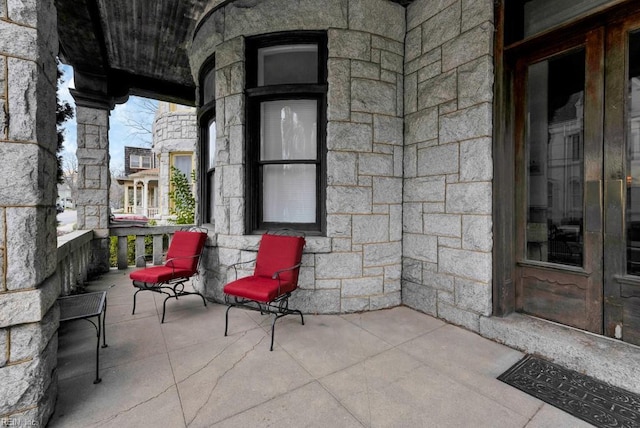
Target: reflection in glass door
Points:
(577, 171)
(559, 178)
(554, 150)
(633, 157)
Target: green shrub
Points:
(184, 203)
(131, 248)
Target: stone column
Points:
(92, 116)
(135, 196)
(29, 283)
(145, 197)
(164, 179)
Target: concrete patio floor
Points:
(389, 368)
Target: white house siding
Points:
(447, 240)
(357, 265)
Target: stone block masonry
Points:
(29, 283)
(94, 178)
(356, 266)
(448, 99)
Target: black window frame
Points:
(206, 113)
(255, 95)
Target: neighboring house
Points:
(476, 160)
(147, 180)
(140, 182)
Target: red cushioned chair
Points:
(181, 264)
(274, 278)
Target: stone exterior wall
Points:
(29, 283)
(174, 131)
(94, 180)
(447, 223)
(357, 265)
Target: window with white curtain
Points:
(286, 99)
(184, 163)
(207, 124)
(210, 201)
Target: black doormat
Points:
(582, 396)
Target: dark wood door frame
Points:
(604, 196)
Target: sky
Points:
(121, 131)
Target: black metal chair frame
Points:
(278, 307)
(174, 287)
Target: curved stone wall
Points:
(174, 131)
(357, 265)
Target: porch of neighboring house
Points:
(141, 193)
(395, 367)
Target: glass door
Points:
(575, 75)
(622, 181)
(558, 177)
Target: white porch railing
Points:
(157, 232)
(150, 212)
(74, 253)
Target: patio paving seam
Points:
(472, 387)
(400, 343)
(322, 384)
(210, 361)
(276, 397)
(222, 376)
(173, 376)
(122, 412)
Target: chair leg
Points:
(164, 306)
(226, 319)
(273, 330)
(134, 300)
(104, 327)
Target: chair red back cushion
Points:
(278, 252)
(184, 246)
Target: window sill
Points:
(314, 244)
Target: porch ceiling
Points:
(139, 47)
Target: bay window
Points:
(207, 124)
(286, 104)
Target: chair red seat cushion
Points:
(182, 260)
(258, 288)
(276, 270)
(159, 274)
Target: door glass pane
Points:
(633, 157)
(289, 193)
(288, 129)
(288, 64)
(555, 167)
